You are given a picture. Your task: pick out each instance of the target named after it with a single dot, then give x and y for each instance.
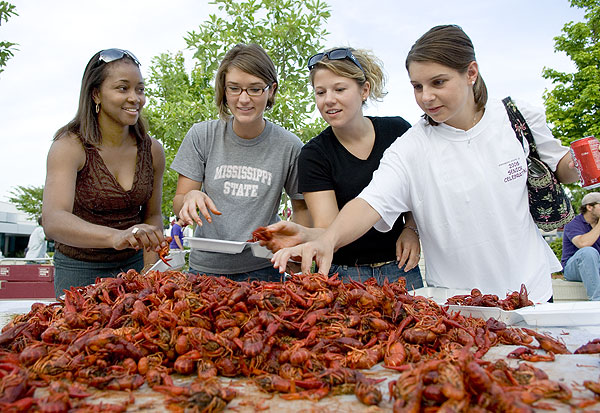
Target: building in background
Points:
(15, 228)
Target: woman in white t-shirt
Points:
(455, 170)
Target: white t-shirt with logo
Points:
(467, 191)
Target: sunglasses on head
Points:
(335, 54)
(110, 55)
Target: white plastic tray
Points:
(441, 295)
(216, 245)
(176, 261)
(228, 247)
(576, 313)
(438, 294)
(507, 317)
(259, 251)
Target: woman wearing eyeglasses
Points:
(463, 174)
(104, 178)
(337, 164)
(232, 170)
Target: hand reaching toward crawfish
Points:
(284, 234)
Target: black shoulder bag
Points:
(549, 205)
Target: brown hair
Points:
(251, 59)
(85, 123)
(372, 66)
(450, 46)
(583, 208)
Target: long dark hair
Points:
(450, 46)
(85, 123)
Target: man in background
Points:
(581, 246)
(36, 247)
(176, 234)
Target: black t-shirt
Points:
(324, 164)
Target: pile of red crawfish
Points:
(307, 337)
(512, 301)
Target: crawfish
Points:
(275, 383)
(593, 386)
(548, 343)
(367, 393)
(365, 358)
(163, 252)
(592, 347)
(527, 354)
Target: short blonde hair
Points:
(372, 71)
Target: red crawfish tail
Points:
(252, 344)
(368, 393)
(187, 363)
(299, 357)
(395, 355)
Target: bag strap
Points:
(519, 125)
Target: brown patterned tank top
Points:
(101, 200)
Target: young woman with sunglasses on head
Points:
(104, 178)
(454, 170)
(232, 170)
(336, 165)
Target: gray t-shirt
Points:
(244, 178)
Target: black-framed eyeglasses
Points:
(110, 55)
(335, 54)
(253, 91)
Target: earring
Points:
(97, 108)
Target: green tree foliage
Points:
(289, 30)
(556, 246)
(28, 199)
(6, 48)
(573, 105)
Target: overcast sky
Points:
(39, 89)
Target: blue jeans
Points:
(69, 272)
(268, 274)
(584, 266)
(380, 273)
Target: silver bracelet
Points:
(411, 228)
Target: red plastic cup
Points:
(586, 154)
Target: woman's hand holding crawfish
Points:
(138, 236)
(197, 201)
(408, 248)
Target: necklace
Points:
(476, 116)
